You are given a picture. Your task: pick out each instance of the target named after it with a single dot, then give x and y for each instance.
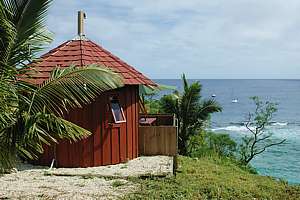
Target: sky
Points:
(206, 39)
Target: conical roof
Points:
(82, 52)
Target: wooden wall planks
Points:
(157, 140)
(110, 143)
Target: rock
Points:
(13, 170)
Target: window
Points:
(117, 111)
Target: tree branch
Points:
(264, 138)
(248, 123)
(269, 145)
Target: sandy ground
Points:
(142, 166)
(33, 182)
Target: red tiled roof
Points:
(81, 53)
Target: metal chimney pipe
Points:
(81, 17)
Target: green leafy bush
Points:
(209, 143)
(153, 106)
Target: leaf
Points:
(72, 88)
(47, 129)
(207, 107)
(22, 29)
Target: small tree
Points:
(191, 110)
(260, 139)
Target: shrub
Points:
(209, 143)
(153, 106)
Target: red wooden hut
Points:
(112, 118)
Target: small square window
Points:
(117, 111)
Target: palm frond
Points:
(8, 102)
(72, 88)
(208, 107)
(7, 157)
(46, 129)
(190, 100)
(7, 150)
(168, 103)
(22, 29)
(185, 82)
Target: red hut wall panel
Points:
(123, 126)
(129, 127)
(110, 143)
(97, 136)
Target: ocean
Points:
(282, 162)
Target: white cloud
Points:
(205, 39)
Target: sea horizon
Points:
(226, 79)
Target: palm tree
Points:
(191, 111)
(32, 115)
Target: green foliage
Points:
(259, 139)
(22, 30)
(191, 110)
(153, 106)
(209, 143)
(214, 178)
(118, 183)
(22, 34)
(72, 87)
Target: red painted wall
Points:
(110, 143)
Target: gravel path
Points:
(30, 182)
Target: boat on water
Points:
(233, 97)
(234, 101)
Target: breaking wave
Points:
(279, 123)
(231, 128)
(240, 126)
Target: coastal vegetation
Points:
(213, 177)
(208, 143)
